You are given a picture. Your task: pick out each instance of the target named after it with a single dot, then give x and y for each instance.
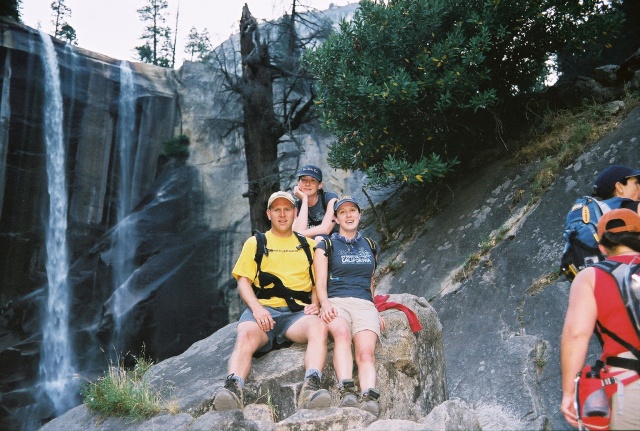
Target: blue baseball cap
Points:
(310, 171)
(344, 200)
(607, 179)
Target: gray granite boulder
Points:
(410, 370)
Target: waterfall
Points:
(56, 370)
(5, 119)
(125, 236)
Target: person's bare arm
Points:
(302, 219)
(262, 316)
(323, 228)
(578, 327)
(321, 268)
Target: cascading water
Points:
(56, 369)
(125, 242)
(5, 119)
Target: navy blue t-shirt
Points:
(351, 267)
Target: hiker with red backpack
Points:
(344, 265)
(605, 296)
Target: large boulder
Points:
(410, 370)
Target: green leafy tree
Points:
(198, 44)
(410, 85)
(158, 46)
(61, 28)
(10, 9)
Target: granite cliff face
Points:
(150, 243)
(92, 90)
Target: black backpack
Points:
(279, 290)
(581, 233)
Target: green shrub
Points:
(123, 393)
(177, 147)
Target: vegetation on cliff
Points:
(408, 86)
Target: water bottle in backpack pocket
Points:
(595, 386)
(592, 402)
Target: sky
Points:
(113, 27)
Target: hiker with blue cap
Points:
(315, 214)
(344, 265)
(619, 181)
(615, 187)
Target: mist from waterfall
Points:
(56, 369)
(124, 246)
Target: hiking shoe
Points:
(370, 403)
(348, 394)
(229, 397)
(311, 396)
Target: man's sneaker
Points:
(229, 397)
(370, 402)
(348, 394)
(311, 396)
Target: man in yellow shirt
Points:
(281, 306)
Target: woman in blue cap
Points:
(619, 187)
(315, 205)
(344, 265)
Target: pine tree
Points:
(158, 46)
(10, 9)
(198, 44)
(61, 28)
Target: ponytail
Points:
(628, 239)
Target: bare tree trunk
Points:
(262, 130)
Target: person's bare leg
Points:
(313, 331)
(365, 346)
(250, 337)
(342, 356)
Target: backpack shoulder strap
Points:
(615, 202)
(613, 335)
(617, 274)
(304, 244)
(323, 199)
(603, 206)
(261, 247)
(374, 250)
(328, 247)
(608, 266)
(372, 245)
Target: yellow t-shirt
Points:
(285, 260)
